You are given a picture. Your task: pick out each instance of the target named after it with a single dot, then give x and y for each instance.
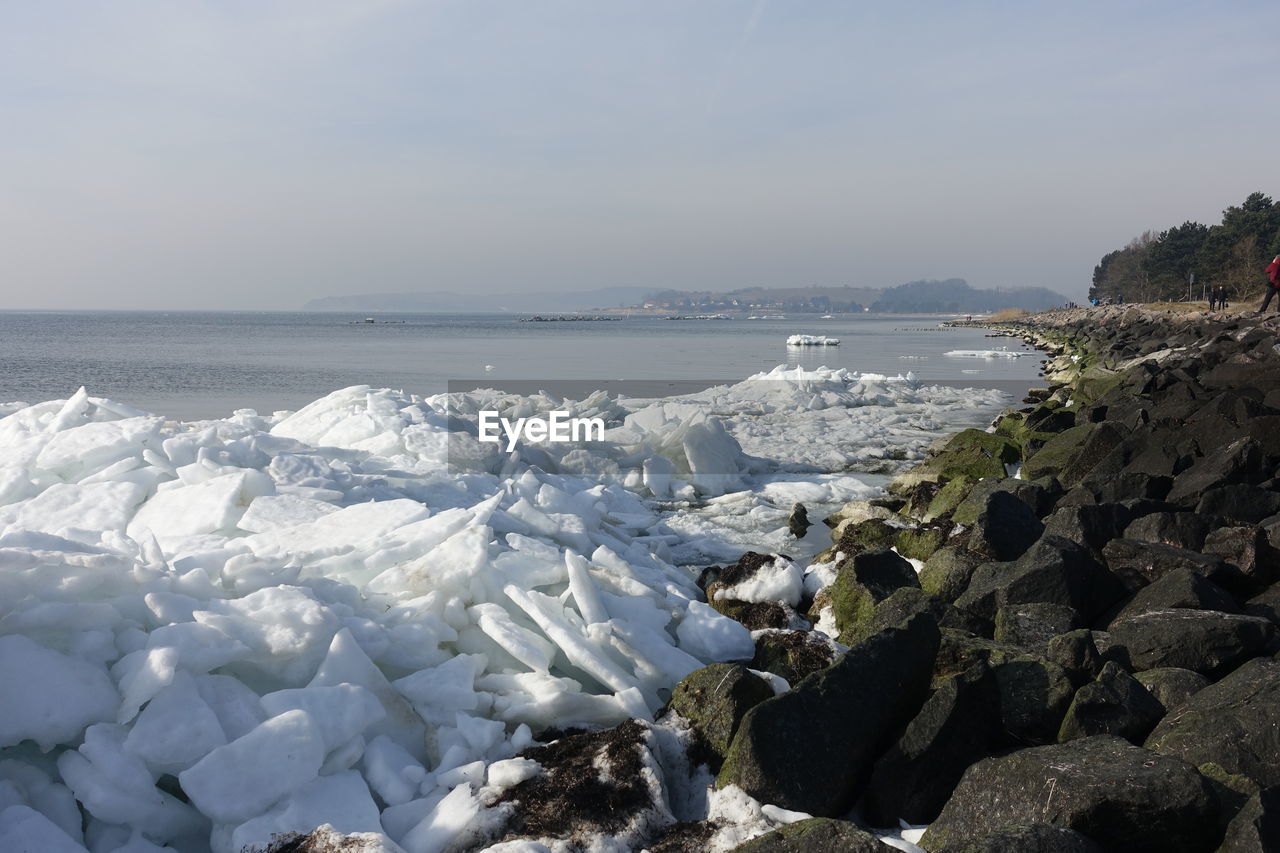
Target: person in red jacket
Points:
(1273, 285)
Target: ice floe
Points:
(812, 341)
(358, 614)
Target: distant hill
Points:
(955, 296)
(444, 302)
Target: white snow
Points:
(358, 615)
(1001, 352)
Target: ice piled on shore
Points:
(812, 341)
(1002, 352)
(357, 614)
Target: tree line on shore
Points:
(1158, 266)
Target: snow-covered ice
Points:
(359, 615)
(812, 341)
(1002, 352)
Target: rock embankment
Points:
(1061, 632)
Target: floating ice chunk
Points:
(340, 711)
(394, 774)
(25, 830)
(347, 663)
(531, 649)
(512, 771)
(444, 823)
(812, 341)
(247, 776)
(208, 507)
(547, 613)
(444, 689)
(341, 801)
(710, 636)
(176, 729)
(273, 512)
(48, 697)
(117, 787)
(780, 580)
(64, 508)
(988, 353)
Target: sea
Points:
(197, 365)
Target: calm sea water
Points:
(207, 364)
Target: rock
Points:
(714, 699)
(861, 583)
(1040, 495)
(1076, 652)
(1032, 838)
(1034, 697)
(1121, 796)
(1172, 685)
(1266, 604)
(1234, 723)
(1204, 641)
(1249, 552)
(325, 839)
(1054, 570)
(1097, 446)
(975, 462)
(1056, 453)
(1179, 589)
(1005, 528)
(1241, 461)
(947, 499)
(791, 654)
(798, 522)
(1032, 625)
(1256, 829)
(1115, 704)
(1240, 504)
(1092, 525)
(1179, 529)
(754, 615)
(816, 835)
(1140, 563)
(1127, 486)
(947, 572)
(812, 748)
(957, 726)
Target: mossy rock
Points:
(815, 835)
(853, 606)
(1057, 453)
(974, 462)
(994, 444)
(1095, 382)
(948, 498)
(960, 650)
(861, 535)
(714, 699)
(919, 543)
(946, 573)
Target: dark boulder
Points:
(1266, 604)
(798, 523)
(1115, 704)
(714, 699)
(1238, 505)
(812, 748)
(1054, 570)
(1256, 829)
(1172, 685)
(1249, 551)
(1121, 796)
(1077, 653)
(791, 654)
(1242, 461)
(1005, 528)
(1034, 697)
(947, 572)
(1032, 625)
(1234, 724)
(1203, 641)
(1093, 525)
(1179, 529)
(1179, 589)
(816, 835)
(1139, 563)
(1032, 838)
(861, 583)
(958, 725)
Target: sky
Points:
(242, 154)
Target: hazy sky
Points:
(257, 154)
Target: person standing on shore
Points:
(1222, 297)
(1273, 285)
